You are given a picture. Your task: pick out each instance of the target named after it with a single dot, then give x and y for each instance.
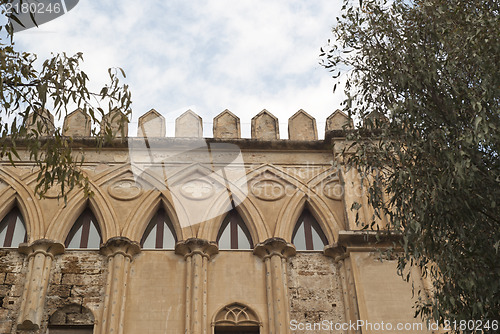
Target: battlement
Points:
(226, 125)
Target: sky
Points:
(207, 56)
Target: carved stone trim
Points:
(193, 246)
(46, 247)
(120, 245)
(274, 246)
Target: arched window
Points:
(307, 234)
(12, 229)
(85, 232)
(236, 318)
(160, 233)
(233, 233)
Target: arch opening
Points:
(160, 232)
(13, 229)
(71, 319)
(85, 233)
(307, 234)
(233, 233)
(236, 319)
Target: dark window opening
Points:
(71, 329)
(236, 329)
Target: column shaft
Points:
(40, 256)
(120, 252)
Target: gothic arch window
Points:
(85, 233)
(12, 229)
(160, 233)
(307, 234)
(236, 318)
(233, 233)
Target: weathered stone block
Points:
(189, 124)
(116, 122)
(76, 279)
(62, 291)
(5, 326)
(227, 125)
(86, 291)
(151, 124)
(338, 121)
(302, 126)
(10, 278)
(265, 126)
(77, 124)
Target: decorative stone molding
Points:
(40, 255)
(125, 189)
(197, 253)
(189, 124)
(227, 125)
(236, 314)
(274, 253)
(77, 124)
(151, 124)
(274, 246)
(265, 126)
(120, 252)
(302, 126)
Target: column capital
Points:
(120, 245)
(335, 251)
(274, 246)
(42, 246)
(193, 246)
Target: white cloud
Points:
(243, 55)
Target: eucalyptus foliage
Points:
(29, 86)
(432, 68)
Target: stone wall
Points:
(77, 278)
(11, 287)
(315, 291)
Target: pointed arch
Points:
(160, 233)
(12, 229)
(233, 233)
(307, 234)
(21, 195)
(77, 202)
(246, 209)
(85, 232)
(290, 213)
(141, 217)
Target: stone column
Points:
(197, 253)
(120, 252)
(341, 259)
(274, 252)
(40, 254)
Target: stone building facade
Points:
(197, 235)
